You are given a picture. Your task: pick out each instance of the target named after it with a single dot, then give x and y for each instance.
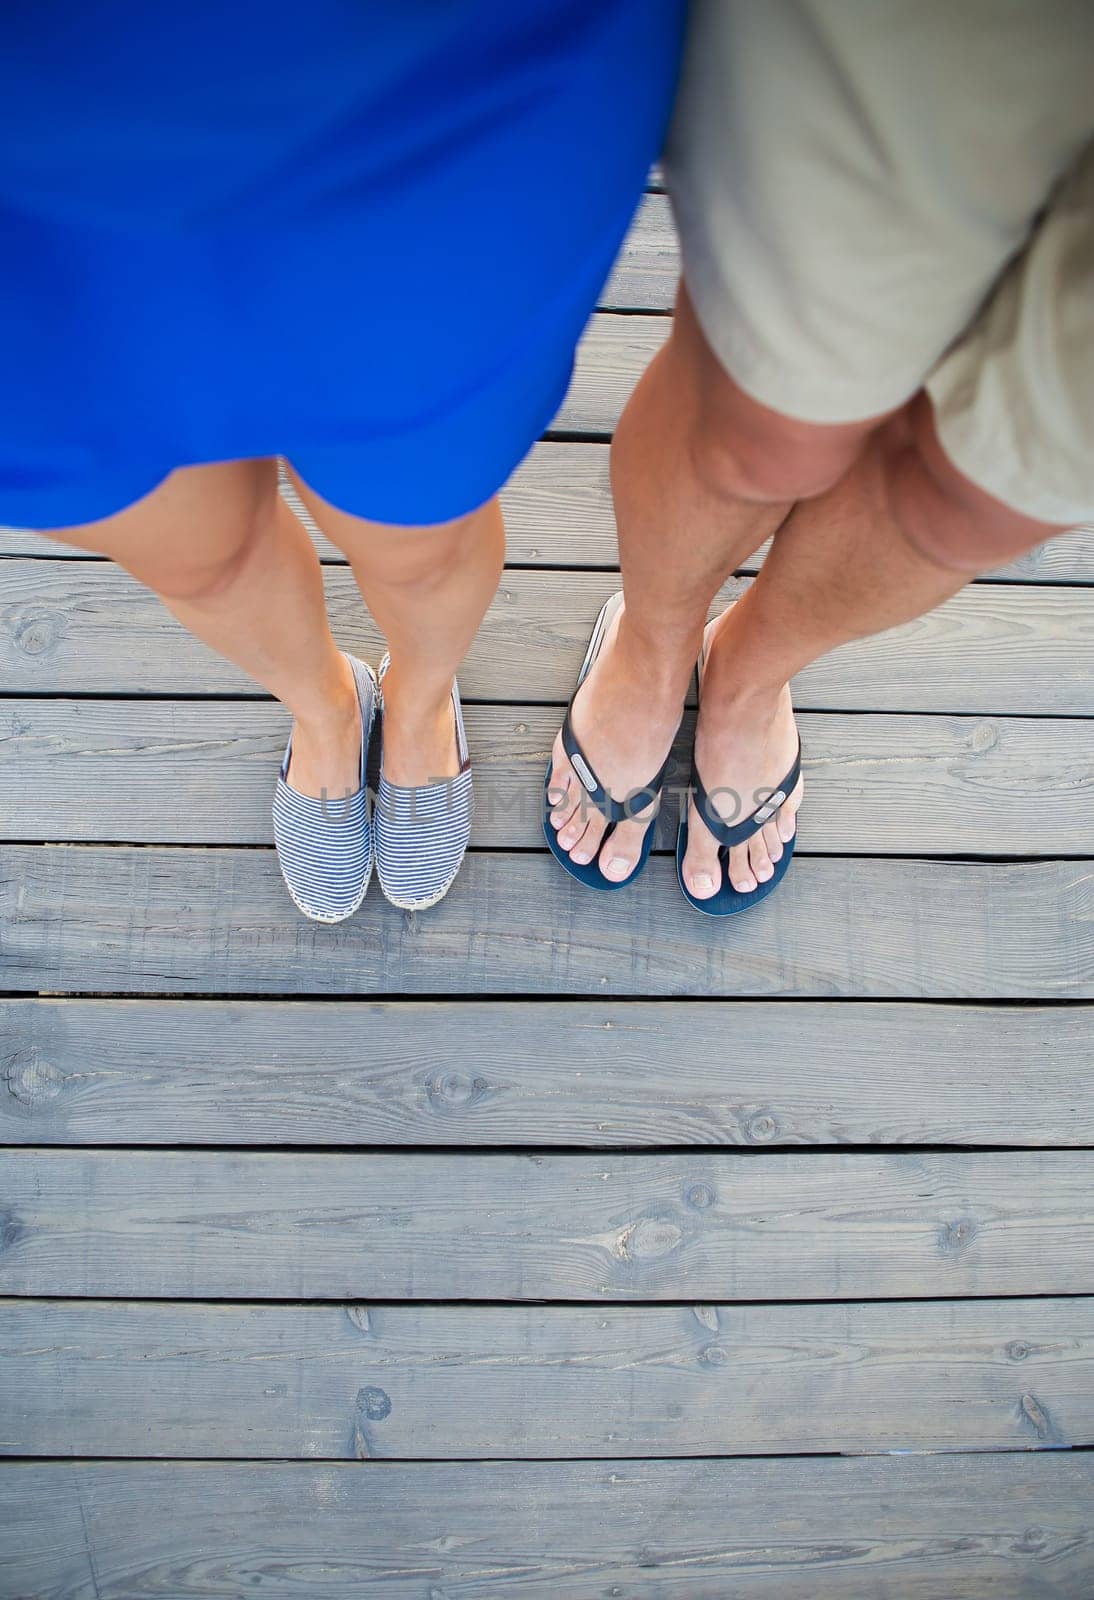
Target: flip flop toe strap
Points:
(729, 834)
(613, 810)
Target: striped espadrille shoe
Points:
(422, 833)
(324, 847)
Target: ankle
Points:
(418, 703)
(731, 688)
(334, 709)
(739, 670)
(659, 667)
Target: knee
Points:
(943, 515)
(737, 448)
(418, 560)
(197, 578)
(742, 450)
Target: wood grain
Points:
(159, 771)
(995, 649)
(981, 1527)
(403, 1225)
(647, 269)
(612, 356)
(475, 1072)
(153, 920)
(399, 1382)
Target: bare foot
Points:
(419, 733)
(745, 744)
(326, 752)
(625, 715)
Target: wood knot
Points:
(699, 1196)
(32, 1081)
(953, 1237)
(374, 1403)
(35, 631)
(1035, 1416)
(454, 1091)
(11, 1229)
(648, 1238)
(984, 737)
(714, 1355)
(1033, 1541)
(706, 1316)
(1018, 1349)
(359, 1317)
(761, 1129)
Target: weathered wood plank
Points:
(475, 1072)
(558, 513)
(647, 268)
(612, 356)
(999, 649)
(436, 1226)
(152, 919)
(401, 1382)
(168, 772)
(981, 1527)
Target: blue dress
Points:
(365, 236)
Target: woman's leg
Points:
(428, 589)
(224, 553)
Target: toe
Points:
(788, 813)
(563, 789)
(702, 869)
(740, 873)
(587, 843)
(574, 827)
(758, 858)
(619, 856)
(579, 815)
(771, 839)
(565, 804)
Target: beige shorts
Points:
(877, 195)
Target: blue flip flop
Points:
(615, 811)
(728, 901)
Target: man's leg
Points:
(884, 528)
(701, 476)
(898, 534)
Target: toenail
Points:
(745, 886)
(617, 865)
(581, 857)
(702, 883)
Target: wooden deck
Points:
(545, 1244)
